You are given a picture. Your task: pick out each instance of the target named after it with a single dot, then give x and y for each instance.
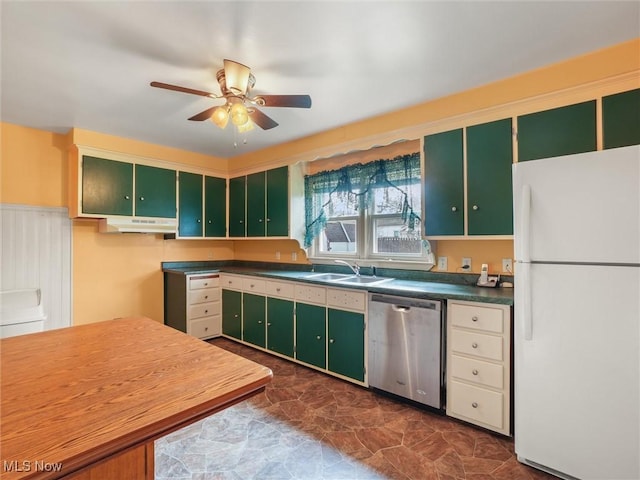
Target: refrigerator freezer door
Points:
(583, 208)
(577, 379)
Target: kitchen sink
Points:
(348, 278)
(328, 277)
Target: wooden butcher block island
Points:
(87, 402)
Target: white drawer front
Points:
(481, 318)
(204, 295)
(231, 281)
(205, 327)
(348, 299)
(310, 294)
(481, 405)
(280, 289)
(253, 285)
(477, 344)
(204, 310)
(477, 371)
(196, 283)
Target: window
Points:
(366, 211)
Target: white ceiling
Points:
(88, 64)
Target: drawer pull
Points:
(206, 296)
(206, 311)
(474, 405)
(318, 337)
(474, 318)
(475, 372)
(206, 329)
(251, 286)
(474, 345)
(277, 289)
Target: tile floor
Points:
(308, 425)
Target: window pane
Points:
(342, 204)
(392, 236)
(339, 236)
(390, 200)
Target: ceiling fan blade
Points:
(296, 101)
(203, 115)
(177, 88)
(263, 121)
(236, 76)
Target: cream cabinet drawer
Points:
(477, 371)
(231, 281)
(280, 289)
(209, 281)
(205, 327)
(204, 310)
(478, 317)
(349, 299)
(205, 295)
(477, 344)
(253, 285)
(311, 294)
(484, 406)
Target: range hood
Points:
(137, 225)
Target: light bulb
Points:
(246, 127)
(239, 114)
(220, 116)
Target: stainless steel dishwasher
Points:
(405, 347)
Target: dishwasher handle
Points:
(400, 308)
(405, 303)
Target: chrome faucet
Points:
(355, 268)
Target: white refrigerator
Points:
(577, 314)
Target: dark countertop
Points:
(447, 286)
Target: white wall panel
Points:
(35, 252)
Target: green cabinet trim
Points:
(621, 119)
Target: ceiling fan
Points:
(236, 82)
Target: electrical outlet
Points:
(277, 255)
(466, 263)
(442, 263)
(507, 265)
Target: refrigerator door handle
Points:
(522, 248)
(524, 305)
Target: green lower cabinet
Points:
(253, 319)
(311, 328)
(232, 313)
(346, 343)
(280, 326)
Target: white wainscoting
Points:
(36, 253)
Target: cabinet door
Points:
(443, 184)
(489, 190)
(346, 343)
(278, 202)
(215, 207)
(559, 131)
(280, 326)
(256, 204)
(190, 208)
(155, 192)
(107, 186)
(232, 313)
(237, 204)
(311, 341)
(253, 319)
(621, 119)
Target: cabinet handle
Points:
(198, 220)
(142, 199)
(476, 207)
(206, 311)
(235, 316)
(206, 296)
(268, 324)
(277, 289)
(206, 328)
(331, 340)
(251, 286)
(241, 221)
(474, 405)
(127, 197)
(206, 284)
(210, 222)
(318, 337)
(259, 322)
(268, 219)
(474, 345)
(259, 220)
(474, 318)
(475, 372)
(454, 209)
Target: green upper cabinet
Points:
(190, 205)
(253, 319)
(215, 207)
(278, 202)
(346, 343)
(559, 131)
(107, 186)
(489, 184)
(256, 201)
(237, 204)
(232, 313)
(621, 119)
(443, 183)
(311, 326)
(280, 326)
(155, 192)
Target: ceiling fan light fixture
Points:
(220, 116)
(247, 127)
(239, 114)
